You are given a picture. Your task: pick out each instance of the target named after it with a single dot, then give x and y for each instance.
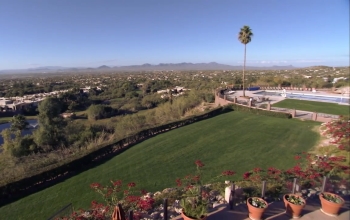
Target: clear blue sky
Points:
(90, 33)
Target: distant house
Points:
(68, 115)
(339, 78)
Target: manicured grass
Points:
(237, 141)
(4, 120)
(321, 107)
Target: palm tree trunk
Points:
(245, 50)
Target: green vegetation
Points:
(237, 141)
(321, 107)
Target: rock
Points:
(298, 194)
(219, 198)
(215, 204)
(155, 215)
(168, 190)
(304, 191)
(342, 186)
(157, 193)
(214, 193)
(178, 210)
(312, 191)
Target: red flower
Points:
(95, 185)
(178, 182)
(297, 168)
(228, 173)
(196, 178)
(189, 187)
(297, 157)
(199, 163)
(132, 184)
(117, 183)
(257, 170)
(246, 175)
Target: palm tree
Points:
(245, 36)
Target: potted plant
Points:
(194, 206)
(195, 199)
(294, 204)
(331, 203)
(256, 207)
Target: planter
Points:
(292, 209)
(256, 213)
(328, 207)
(188, 218)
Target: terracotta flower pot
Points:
(254, 212)
(328, 207)
(293, 210)
(188, 218)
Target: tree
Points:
(245, 36)
(50, 133)
(18, 122)
(278, 80)
(16, 145)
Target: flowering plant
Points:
(339, 131)
(257, 202)
(252, 181)
(294, 199)
(127, 196)
(332, 198)
(310, 169)
(195, 200)
(97, 211)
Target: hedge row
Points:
(67, 168)
(259, 111)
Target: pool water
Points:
(311, 97)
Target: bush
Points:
(95, 112)
(210, 97)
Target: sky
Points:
(91, 33)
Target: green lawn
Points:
(238, 141)
(4, 120)
(321, 107)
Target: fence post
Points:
(293, 113)
(324, 182)
(165, 211)
(131, 215)
(294, 184)
(263, 189)
(231, 200)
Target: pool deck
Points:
(275, 99)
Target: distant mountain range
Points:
(147, 67)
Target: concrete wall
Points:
(315, 117)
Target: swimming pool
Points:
(311, 97)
